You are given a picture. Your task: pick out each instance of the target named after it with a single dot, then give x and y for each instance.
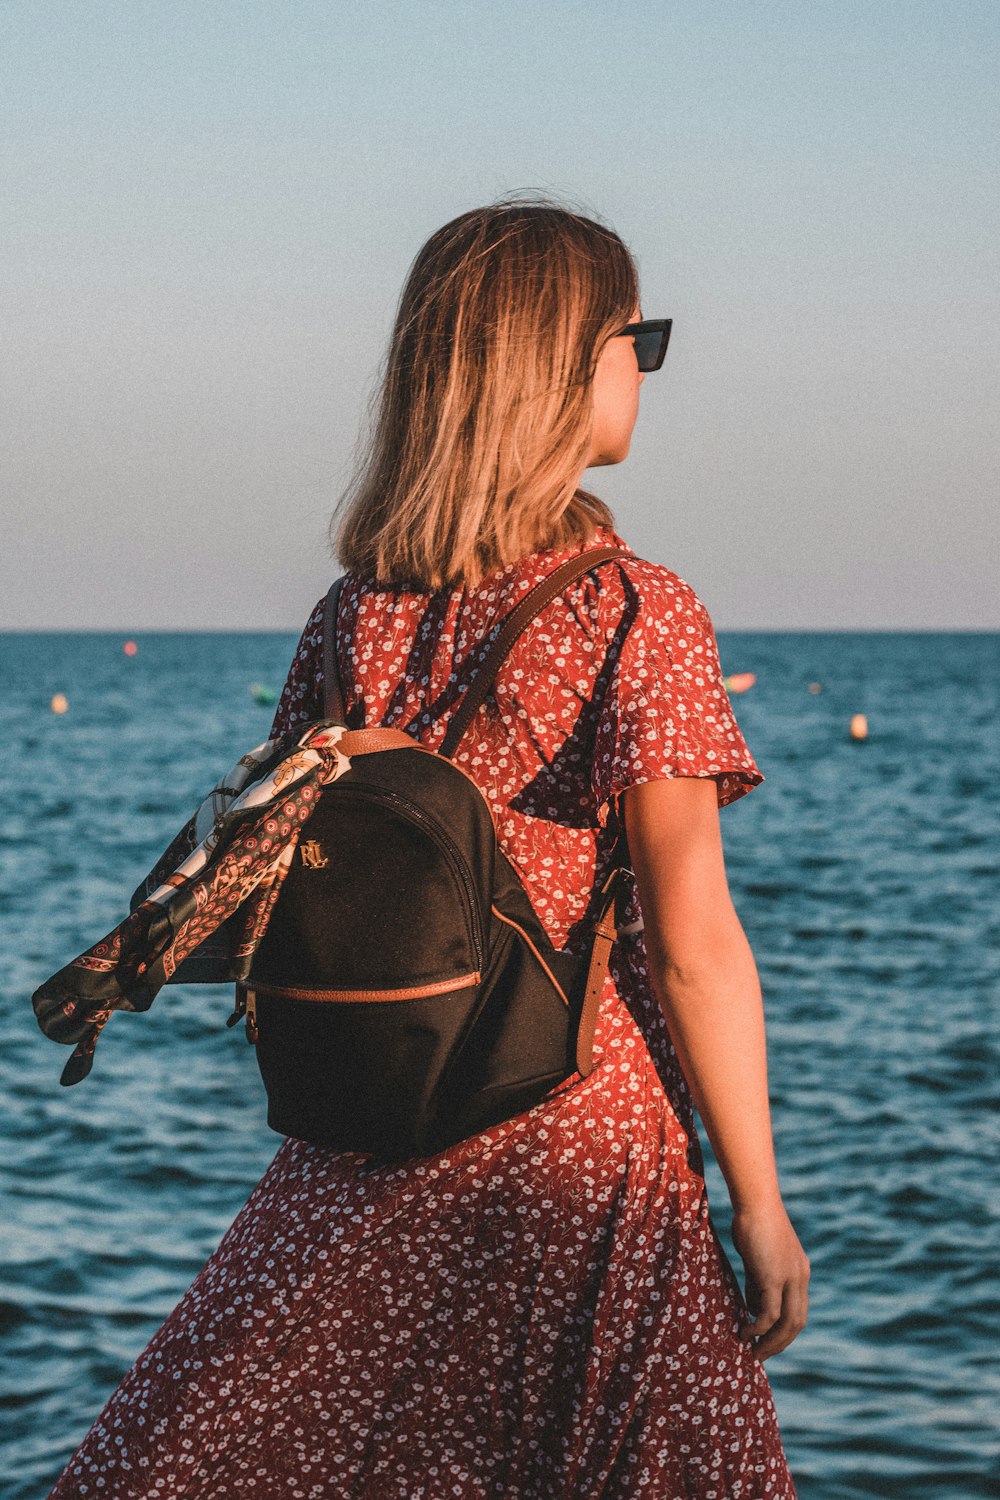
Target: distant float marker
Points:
(130, 648)
(740, 682)
(859, 727)
(262, 694)
(815, 687)
(59, 704)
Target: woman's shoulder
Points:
(652, 595)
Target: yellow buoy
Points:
(859, 727)
(59, 704)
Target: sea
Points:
(866, 872)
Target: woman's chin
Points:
(610, 456)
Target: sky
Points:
(209, 209)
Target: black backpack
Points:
(405, 995)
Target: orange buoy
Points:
(859, 727)
(815, 687)
(740, 682)
(130, 648)
(59, 704)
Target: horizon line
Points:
(132, 632)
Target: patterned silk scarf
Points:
(205, 904)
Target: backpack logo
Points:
(312, 856)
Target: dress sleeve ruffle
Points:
(665, 712)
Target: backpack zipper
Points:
(449, 849)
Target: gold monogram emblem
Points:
(312, 856)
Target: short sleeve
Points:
(665, 712)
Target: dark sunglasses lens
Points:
(648, 347)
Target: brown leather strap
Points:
(516, 622)
(333, 693)
(367, 741)
(354, 997)
(605, 933)
(513, 626)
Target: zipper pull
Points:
(251, 1006)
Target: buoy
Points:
(740, 682)
(130, 648)
(262, 694)
(59, 704)
(859, 727)
(815, 687)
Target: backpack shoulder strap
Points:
(514, 626)
(530, 607)
(333, 693)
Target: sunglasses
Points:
(650, 339)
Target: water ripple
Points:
(866, 877)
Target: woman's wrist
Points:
(759, 1200)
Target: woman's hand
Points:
(706, 980)
(777, 1277)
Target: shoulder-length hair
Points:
(482, 426)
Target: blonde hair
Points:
(483, 422)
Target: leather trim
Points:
(517, 928)
(368, 741)
(411, 992)
(597, 972)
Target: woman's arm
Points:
(706, 981)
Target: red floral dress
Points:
(542, 1312)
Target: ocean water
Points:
(866, 876)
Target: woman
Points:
(543, 1310)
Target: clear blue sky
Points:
(209, 209)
